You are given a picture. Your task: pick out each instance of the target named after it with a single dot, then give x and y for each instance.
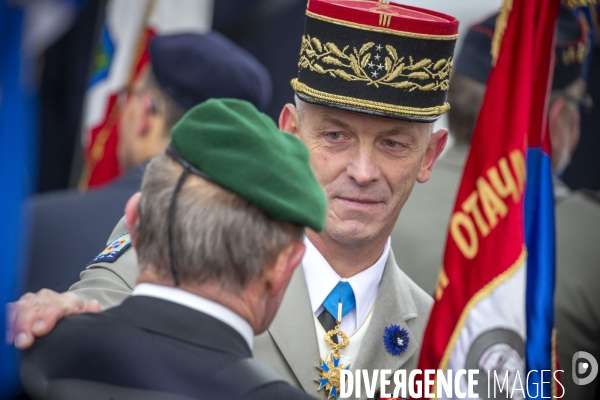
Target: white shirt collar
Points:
(321, 279)
(198, 303)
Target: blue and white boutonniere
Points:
(395, 339)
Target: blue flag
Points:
(18, 119)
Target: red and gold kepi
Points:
(376, 58)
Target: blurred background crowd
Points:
(86, 84)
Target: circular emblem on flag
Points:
(500, 350)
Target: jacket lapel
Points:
(394, 305)
(293, 330)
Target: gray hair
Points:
(218, 236)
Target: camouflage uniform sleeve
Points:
(109, 282)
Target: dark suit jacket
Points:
(145, 348)
(68, 229)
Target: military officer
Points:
(372, 80)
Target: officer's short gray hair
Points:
(218, 236)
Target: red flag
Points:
(479, 319)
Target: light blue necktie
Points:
(341, 293)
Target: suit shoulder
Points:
(72, 333)
(69, 347)
(77, 339)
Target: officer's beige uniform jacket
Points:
(290, 345)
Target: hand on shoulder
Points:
(36, 314)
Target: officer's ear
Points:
(280, 272)
(435, 146)
(132, 217)
(288, 119)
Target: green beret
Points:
(241, 149)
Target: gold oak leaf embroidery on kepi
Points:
(383, 68)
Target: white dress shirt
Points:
(198, 303)
(321, 279)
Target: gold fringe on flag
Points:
(501, 23)
(579, 3)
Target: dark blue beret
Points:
(474, 59)
(193, 68)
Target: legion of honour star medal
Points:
(330, 368)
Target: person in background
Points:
(205, 289)
(68, 228)
(577, 213)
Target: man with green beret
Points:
(373, 77)
(218, 236)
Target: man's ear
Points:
(279, 273)
(288, 119)
(147, 115)
(437, 143)
(131, 216)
